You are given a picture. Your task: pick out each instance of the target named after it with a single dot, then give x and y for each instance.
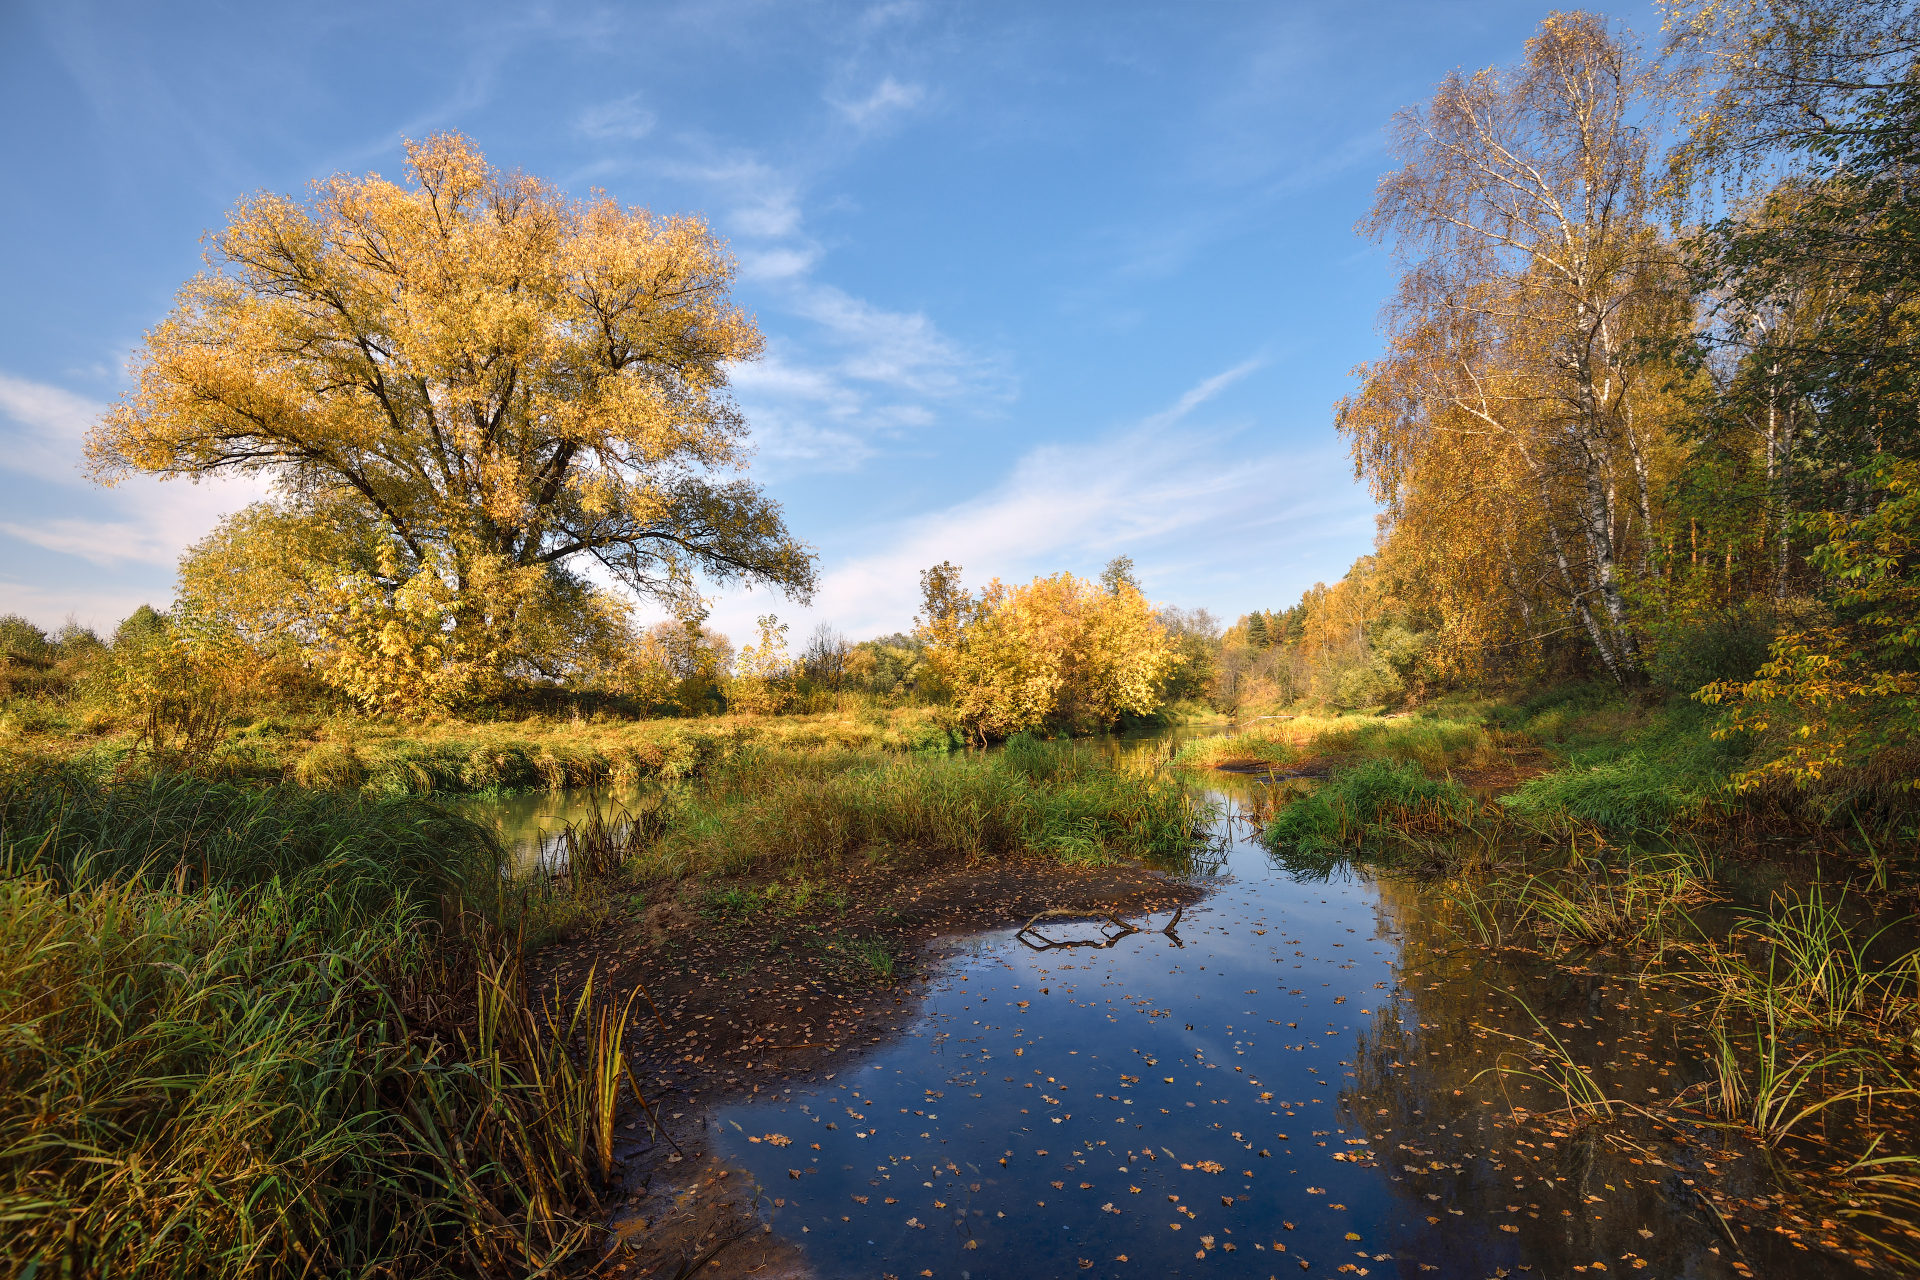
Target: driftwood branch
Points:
(1037, 941)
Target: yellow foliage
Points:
(460, 384)
(760, 684)
(183, 687)
(1058, 651)
(326, 587)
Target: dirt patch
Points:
(744, 994)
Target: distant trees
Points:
(825, 658)
(461, 386)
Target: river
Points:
(1294, 1079)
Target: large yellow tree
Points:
(466, 384)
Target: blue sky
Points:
(1042, 283)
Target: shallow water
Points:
(1292, 1080)
(1287, 1083)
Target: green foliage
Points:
(143, 625)
(1729, 643)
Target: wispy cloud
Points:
(888, 99)
(623, 118)
(46, 425)
(1144, 491)
(42, 429)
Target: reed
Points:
(1812, 959)
(1646, 902)
(1546, 1060)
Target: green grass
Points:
(227, 1047)
(1627, 772)
(1369, 799)
(1435, 743)
(789, 814)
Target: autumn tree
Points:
(465, 388)
(1057, 652)
(1514, 402)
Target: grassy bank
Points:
(277, 1033)
(799, 813)
(1439, 739)
(1624, 844)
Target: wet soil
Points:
(735, 1005)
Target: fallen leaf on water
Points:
(777, 1139)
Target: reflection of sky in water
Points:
(1290, 1046)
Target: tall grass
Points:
(267, 1034)
(1375, 797)
(797, 813)
(1624, 770)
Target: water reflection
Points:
(1302, 1084)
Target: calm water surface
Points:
(1287, 1083)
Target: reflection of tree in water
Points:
(1463, 1144)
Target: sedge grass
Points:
(795, 814)
(1435, 744)
(236, 1042)
(1375, 797)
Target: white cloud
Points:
(895, 348)
(1143, 492)
(101, 608)
(102, 542)
(42, 430)
(47, 427)
(622, 118)
(768, 265)
(888, 98)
